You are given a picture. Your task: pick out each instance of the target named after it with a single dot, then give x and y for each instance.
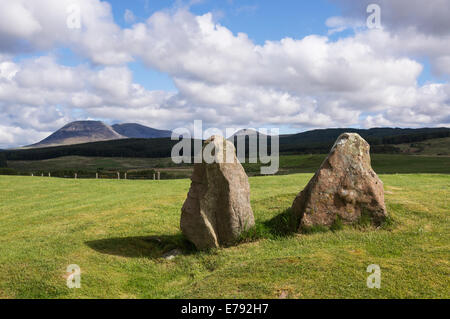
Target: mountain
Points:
(381, 140)
(133, 130)
(79, 132)
(246, 132)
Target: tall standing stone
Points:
(345, 187)
(217, 209)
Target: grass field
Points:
(117, 232)
(437, 146)
(90, 163)
(289, 164)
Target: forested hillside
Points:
(382, 140)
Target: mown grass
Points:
(117, 232)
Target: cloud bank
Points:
(366, 79)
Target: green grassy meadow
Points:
(117, 232)
(289, 164)
(437, 146)
(90, 163)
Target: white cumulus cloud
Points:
(366, 79)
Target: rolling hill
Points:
(382, 140)
(248, 132)
(133, 130)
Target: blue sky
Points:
(294, 65)
(260, 20)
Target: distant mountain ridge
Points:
(245, 132)
(381, 140)
(80, 132)
(133, 130)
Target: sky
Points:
(294, 65)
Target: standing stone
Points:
(217, 209)
(345, 187)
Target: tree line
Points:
(3, 162)
(382, 140)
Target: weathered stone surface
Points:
(345, 187)
(217, 209)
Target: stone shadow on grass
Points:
(142, 246)
(281, 225)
